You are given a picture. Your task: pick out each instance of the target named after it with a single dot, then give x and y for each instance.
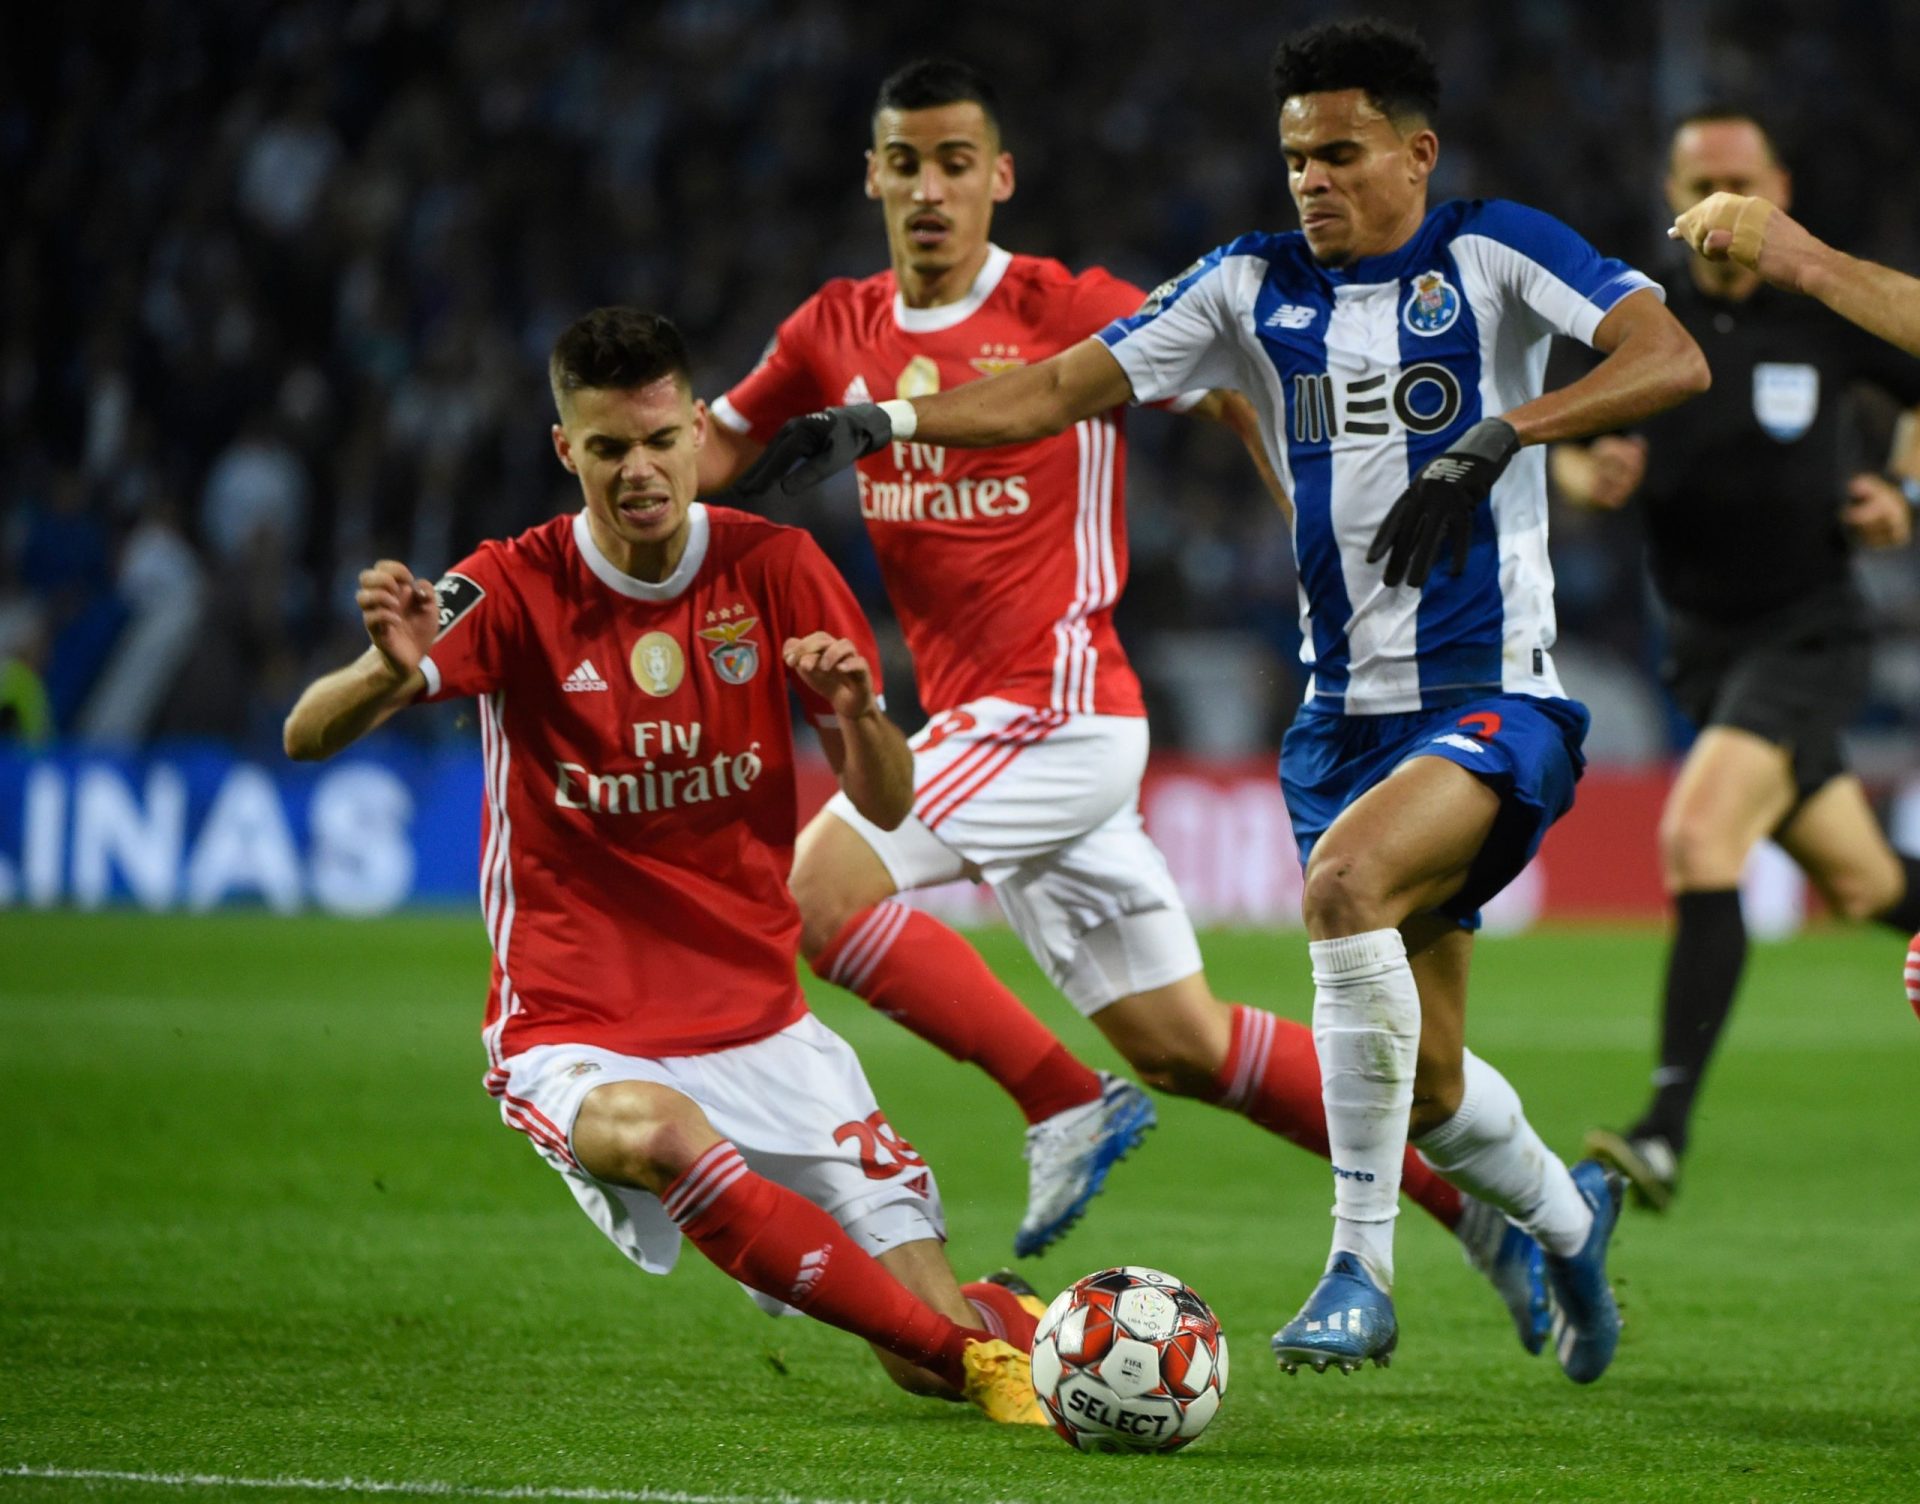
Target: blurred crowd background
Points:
(278, 283)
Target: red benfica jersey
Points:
(639, 817)
(1003, 565)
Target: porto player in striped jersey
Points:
(1004, 568)
(645, 1030)
(1397, 355)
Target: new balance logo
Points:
(812, 1267)
(1447, 468)
(1290, 316)
(583, 679)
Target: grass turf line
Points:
(262, 1223)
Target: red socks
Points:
(1001, 1313)
(781, 1244)
(1272, 1076)
(921, 974)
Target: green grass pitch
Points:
(260, 1227)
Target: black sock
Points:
(1904, 916)
(1703, 972)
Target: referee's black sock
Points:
(1703, 972)
(1904, 916)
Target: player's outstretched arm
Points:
(1031, 402)
(1651, 364)
(1768, 240)
(402, 615)
(869, 755)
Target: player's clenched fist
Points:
(401, 614)
(833, 669)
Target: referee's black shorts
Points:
(1794, 676)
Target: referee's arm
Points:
(1751, 231)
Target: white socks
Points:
(1489, 1149)
(1366, 1030)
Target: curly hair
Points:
(1390, 63)
(617, 348)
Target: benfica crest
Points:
(734, 658)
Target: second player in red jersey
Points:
(644, 1029)
(1038, 530)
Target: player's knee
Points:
(825, 909)
(1344, 896)
(636, 1140)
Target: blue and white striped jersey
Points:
(1361, 374)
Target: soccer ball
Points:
(1129, 1360)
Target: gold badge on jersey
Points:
(921, 378)
(993, 359)
(658, 664)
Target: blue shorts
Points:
(1526, 749)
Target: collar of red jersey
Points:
(646, 590)
(929, 320)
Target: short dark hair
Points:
(1390, 63)
(1728, 111)
(617, 348)
(930, 81)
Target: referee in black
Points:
(1750, 548)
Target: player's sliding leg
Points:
(1185, 1041)
(771, 1239)
(922, 975)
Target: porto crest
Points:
(734, 659)
(1432, 306)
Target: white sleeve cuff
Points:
(728, 416)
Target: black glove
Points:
(1441, 502)
(809, 448)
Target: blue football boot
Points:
(1347, 1320)
(1513, 1264)
(1586, 1321)
(1069, 1154)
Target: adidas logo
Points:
(1290, 316)
(856, 392)
(584, 678)
(812, 1267)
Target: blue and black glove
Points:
(813, 446)
(1440, 504)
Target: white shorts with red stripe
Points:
(795, 1104)
(1045, 806)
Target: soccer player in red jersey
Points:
(645, 1028)
(1004, 566)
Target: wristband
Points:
(901, 416)
(1909, 487)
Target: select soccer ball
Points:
(1129, 1360)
